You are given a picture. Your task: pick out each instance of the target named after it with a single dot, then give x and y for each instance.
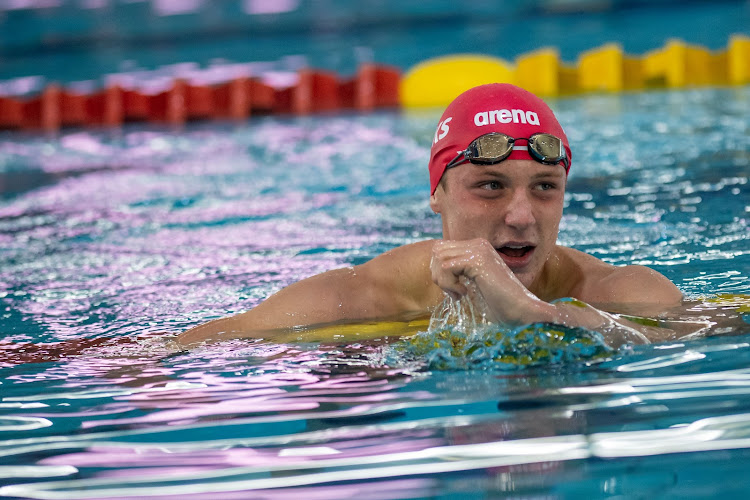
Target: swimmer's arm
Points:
(631, 290)
(395, 285)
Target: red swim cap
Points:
(495, 107)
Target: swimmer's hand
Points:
(508, 300)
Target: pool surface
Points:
(119, 235)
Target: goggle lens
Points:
(490, 148)
(495, 147)
(548, 147)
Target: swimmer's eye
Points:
(491, 185)
(546, 186)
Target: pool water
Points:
(119, 235)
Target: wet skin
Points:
(515, 205)
(500, 224)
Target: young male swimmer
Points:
(498, 171)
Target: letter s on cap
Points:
(442, 129)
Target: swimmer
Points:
(498, 170)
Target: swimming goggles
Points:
(495, 147)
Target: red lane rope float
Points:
(432, 83)
(373, 87)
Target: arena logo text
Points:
(505, 116)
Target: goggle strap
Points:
(457, 160)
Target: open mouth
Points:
(516, 256)
(515, 252)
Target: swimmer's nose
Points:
(519, 213)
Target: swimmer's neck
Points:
(560, 276)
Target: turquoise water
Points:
(120, 235)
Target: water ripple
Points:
(112, 242)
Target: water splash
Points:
(461, 337)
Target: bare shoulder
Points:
(602, 283)
(405, 271)
(410, 253)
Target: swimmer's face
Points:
(516, 205)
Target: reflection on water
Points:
(237, 416)
(110, 240)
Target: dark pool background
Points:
(82, 43)
(116, 234)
